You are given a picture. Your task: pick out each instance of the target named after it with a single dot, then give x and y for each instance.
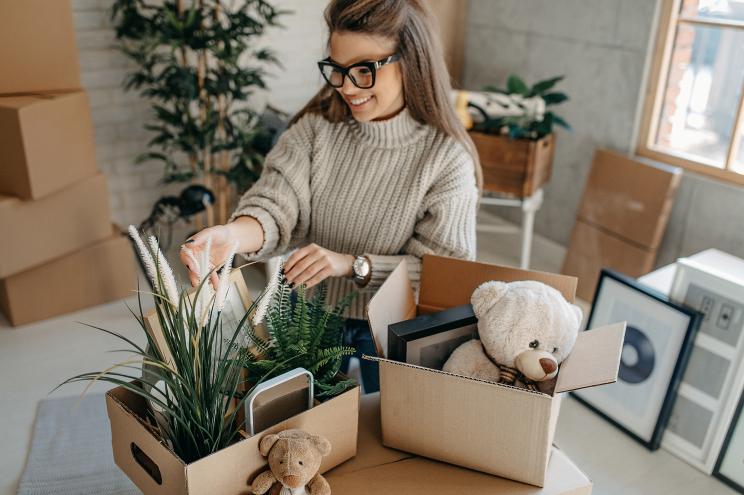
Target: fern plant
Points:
(302, 332)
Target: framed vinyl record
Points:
(656, 348)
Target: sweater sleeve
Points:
(280, 199)
(445, 226)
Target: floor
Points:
(36, 358)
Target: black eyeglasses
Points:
(362, 74)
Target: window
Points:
(693, 110)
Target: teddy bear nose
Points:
(548, 365)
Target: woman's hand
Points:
(222, 241)
(312, 264)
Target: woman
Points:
(375, 169)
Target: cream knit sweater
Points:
(389, 189)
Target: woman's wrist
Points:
(349, 265)
(248, 232)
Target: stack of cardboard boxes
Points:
(59, 251)
(621, 219)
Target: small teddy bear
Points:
(526, 330)
(294, 459)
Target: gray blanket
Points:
(71, 451)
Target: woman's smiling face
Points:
(385, 98)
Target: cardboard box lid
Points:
(628, 197)
(423, 476)
(594, 360)
(393, 302)
(445, 283)
(448, 282)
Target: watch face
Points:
(361, 267)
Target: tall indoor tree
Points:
(198, 64)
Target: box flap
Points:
(595, 359)
(419, 476)
(448, 282)
(393, 302)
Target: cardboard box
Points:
(592, 249)
(629, 198)
(36, 232)
(99, 273)
(378, 469)
(46, 143)
(480, 425)
(138, 452)
(39, 52)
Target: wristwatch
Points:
(362, 270)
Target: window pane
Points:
(702, 93)
(732, 10)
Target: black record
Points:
(641, 369)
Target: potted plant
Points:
(513, 134)
(196, 64)
(194, 383)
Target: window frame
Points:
(654, 95)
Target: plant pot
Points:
(514, 166)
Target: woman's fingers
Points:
(319, 277)
(300, 267)
(311, 271)
(297, 256)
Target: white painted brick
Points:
(102, 78)
(90, 20)
(103, 39)
(86, 5)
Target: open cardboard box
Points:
(156, 469)
(378, 469)
(485, 426)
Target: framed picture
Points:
(656, 349)
(428, 340)
(730, 465)
(711, 386)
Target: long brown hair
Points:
(422, 64)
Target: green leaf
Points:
(540, 87)
(515, 85)
(559, 121)
(554, 98)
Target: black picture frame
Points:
(653, 442)
(737, 421)
(429, 339)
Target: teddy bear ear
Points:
(579, 313)
(486, 295)
(266, 443)
(323, 445)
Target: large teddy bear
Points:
(294, 459)
(526, 330)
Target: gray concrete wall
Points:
(601, 47)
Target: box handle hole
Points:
(147, 464)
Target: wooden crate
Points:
(514, 166)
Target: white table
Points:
(529, 206)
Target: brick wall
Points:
(119, 116)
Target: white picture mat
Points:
(689, 272)
(626, 403)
